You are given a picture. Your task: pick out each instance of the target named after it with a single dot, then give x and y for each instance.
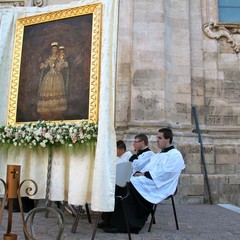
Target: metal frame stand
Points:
(12, 188)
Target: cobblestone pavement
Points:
(195, 222)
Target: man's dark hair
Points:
(121, 144)
(142, 137)
(167, 133)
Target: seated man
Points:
(150, 185)
(122, 154)
(142, 154)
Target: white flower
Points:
(37, 132)
(43, 144)
(81, 136)
(48, 136)
(42, 133)
(59, 130)
(89, 136)
(58, 136)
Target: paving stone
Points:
(196, 221)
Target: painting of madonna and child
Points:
(55, 69)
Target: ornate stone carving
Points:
(39, 3)
(217, 31)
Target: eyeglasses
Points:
(137, 141)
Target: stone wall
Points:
(222, 164)
(166, 65)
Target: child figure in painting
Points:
(63, 66)
(62, 54)
(52, 93)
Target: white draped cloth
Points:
(165, 169)
(77, 176)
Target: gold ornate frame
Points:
(96, 11)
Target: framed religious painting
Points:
(56, 66)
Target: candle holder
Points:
(12, 188)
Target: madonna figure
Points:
(52, 93)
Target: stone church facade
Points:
(171, 58)
(174, 55)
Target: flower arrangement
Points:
(45, 134)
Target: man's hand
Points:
(135, 152)
(137, 174)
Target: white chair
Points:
(123, 174)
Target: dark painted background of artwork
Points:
(75, 34)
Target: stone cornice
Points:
(223, 30)
(37, 3)
(13, 2)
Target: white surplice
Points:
(142, 160)
(165, 169)
(124, 157)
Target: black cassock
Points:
(137, 208)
